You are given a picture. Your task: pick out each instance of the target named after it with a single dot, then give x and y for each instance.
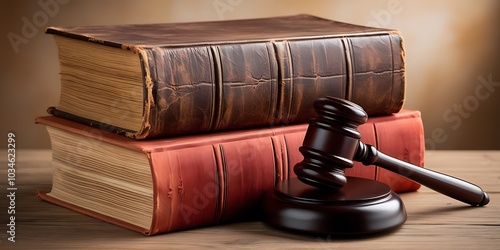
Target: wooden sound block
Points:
(361, 207)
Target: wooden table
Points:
(434, 221)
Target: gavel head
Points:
(330, 143)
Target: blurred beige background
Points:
(452, 53)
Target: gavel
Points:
(323, 200)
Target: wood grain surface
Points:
(434, 221)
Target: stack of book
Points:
(164, 127)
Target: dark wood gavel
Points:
(322, 200)
(332, 142)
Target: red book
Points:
(168, 184)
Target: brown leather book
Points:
(153, 80)
(169, 184)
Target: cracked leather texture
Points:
(224, 75)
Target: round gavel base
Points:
(361, 207)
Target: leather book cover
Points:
(224, 75)
(200, 180)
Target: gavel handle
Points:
(453, 187)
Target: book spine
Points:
(406, 144)
(226, 181)
(229, 86)
(400, 138)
